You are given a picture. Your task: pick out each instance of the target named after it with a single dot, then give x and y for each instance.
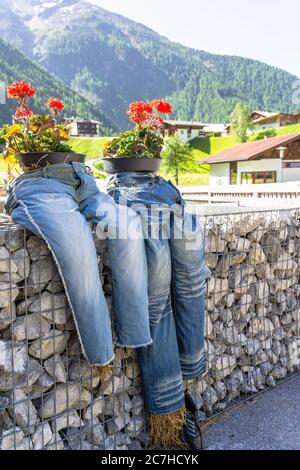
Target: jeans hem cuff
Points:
(102, 364)
(134, 346)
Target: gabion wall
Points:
(51, 399)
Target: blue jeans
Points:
(58, 203)
(176, 288)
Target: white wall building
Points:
(273, 160)
(262, 120)
(83, 127)
(189, 130)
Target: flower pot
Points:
(128, 164)
(32, 160)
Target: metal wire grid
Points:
(51, 399)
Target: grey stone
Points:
(196, 397)
(53, 307)
(14, 239)
(75, 438)
(95, 432)
(137, 423)
(55, 286)
(111, 386)
(41, 272)
(56, 369)
(21, 409)
(221, 390)
(214, 244)
(54, 343)
(56, 443)
(41, 436)
(23, 306)
(256, 254)
(20, 379)
(251, 346)
(37, 248)
(95, 409)
(134, 445)
(137, 404)
(279, 372)
(7, 265)
(12, 357)
(223, 366)
(8, 293)
(270, 381)
(30, 327)
(125, 404)
(7, 316)
(64, 396)
(68, 419)
(80, 370)
(210, 397)
(11, 438)
(22, 261)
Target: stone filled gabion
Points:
(51, 399)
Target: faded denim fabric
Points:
(176, 287)
(59, 203)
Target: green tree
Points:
(241, 121)
(177, 157)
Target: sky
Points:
(267, 30)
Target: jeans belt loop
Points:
(45, 172)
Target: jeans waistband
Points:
(133, 178)
(67, 172)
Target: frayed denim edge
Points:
(133, 347)
(63, 281)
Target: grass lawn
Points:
(91, 146)
(206, 146)
(285, 130)
(195, 179)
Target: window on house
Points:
(258, 177)
(233, 173)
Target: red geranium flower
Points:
(20, 90)
(139, 111)
(23, 113)
(56, 104)
(162, 106)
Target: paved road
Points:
(271, 422)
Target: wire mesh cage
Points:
(50, 398)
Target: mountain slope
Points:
(15, 66)
(112, 60)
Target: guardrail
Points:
(232, 193)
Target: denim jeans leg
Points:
(160, 365)
(121, 226)
(54, 216)
(188, 282)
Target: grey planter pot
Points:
(33, 160)
(127, 164)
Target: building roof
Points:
(264, 113)
(215, 127)
(250, 150)
(80, 120)
(272, 116)
(183, 124)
